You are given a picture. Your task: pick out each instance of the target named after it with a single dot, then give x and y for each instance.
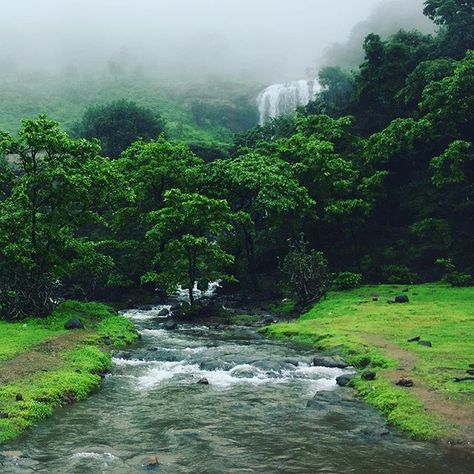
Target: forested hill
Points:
(374, 180)
(201, 111)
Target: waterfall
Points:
(280, 99)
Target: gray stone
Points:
(344, 380)
(401, 299)
(74, 323)
(330, 362)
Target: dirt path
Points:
(42, 358)
(434, 401)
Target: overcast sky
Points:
(269, 39)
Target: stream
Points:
(255, 415)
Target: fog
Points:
(268, 40)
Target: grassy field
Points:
(373, 334)
(43, 366)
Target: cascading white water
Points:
(280, 99)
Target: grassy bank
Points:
(372, 334)
(43, 366)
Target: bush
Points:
(347, 280)
(459, 279)
(307, 272)
(452, 276)
(398, 274)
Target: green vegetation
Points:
(43, 366)
(118, 125)
(370, 333)
(376, 175)
(198, 112)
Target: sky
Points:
(270, 40)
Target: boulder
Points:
(344, 380)
(329, 362)
(404, 382)
(203, 381)
(163, 312)
(425, 343)
(170, 325)
(74, 323)
(401, 299)
(369, 375)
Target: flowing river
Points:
(256, 415)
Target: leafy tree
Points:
(59, 187)
(151, 169)
(337, 92)
(307, 272)
(268, 197)
(456, 18)
(185, 235)
(118, 124)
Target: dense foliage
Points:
(377, 173)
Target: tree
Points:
(268, 198)
(456, 18)
(59, 187)
(307, 272)
(150, 169)
(118, 124)
(186, 237)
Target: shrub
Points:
(347, 280)
(459, 279)
(398, 274)
(307, 272)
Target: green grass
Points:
(69, 372)
(348, 322)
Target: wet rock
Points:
(123, 355)
(404, 382)
(369, 375)
(170, 325)
(153, 349)
(19, 397)
(74, 323)
(330, 362)
(425, 343)
(153, 464)
(69, 398)
(163, 312)
(414, 339)
(267, 320)
(401, 299)
(203, 381)
(333, 399)
(273, 365)
(344, 380)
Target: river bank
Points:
(425, 344)
(44, 366)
